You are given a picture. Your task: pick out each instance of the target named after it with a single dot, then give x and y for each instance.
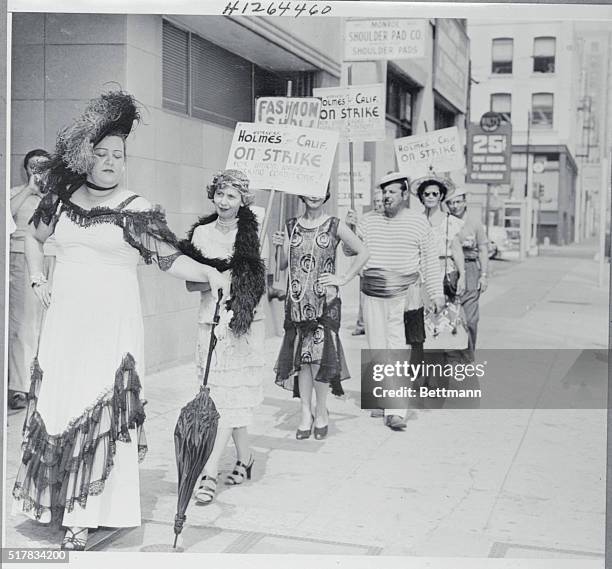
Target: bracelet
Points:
(38, 280)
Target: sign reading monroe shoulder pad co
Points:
(356, 112)
(368, 40)
(286, 158)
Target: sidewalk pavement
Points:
(465, 483)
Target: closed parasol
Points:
(194, 436)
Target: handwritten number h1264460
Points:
(240, 8)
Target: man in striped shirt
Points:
(403, 254)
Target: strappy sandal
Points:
(241, 472)
(71, 539)
(205, 494)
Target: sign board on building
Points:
(362, 172)
(440, 150)
(490, 121)
(451, 62)
(372, 40)
(357, 112)
(489, 154)
(297, 111)
(286, 158)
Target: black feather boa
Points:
(248, 282)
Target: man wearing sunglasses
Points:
(402, 247)
(473, 238)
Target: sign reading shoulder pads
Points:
(295, 111)
(371, 40)
(286, 158)
(440, 149)
(356, 112)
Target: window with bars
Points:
(502, 103)
(400, 97)
(443, 118)
(542, 110)
(501, 56)
(544, 55)
(205, 81)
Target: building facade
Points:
(196, 76)
(527, 71)
(594, 48)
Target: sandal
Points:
(205, 493)
(18, 400)
(71, 539)
(241, 472)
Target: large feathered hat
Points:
(113, 113)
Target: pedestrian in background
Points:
(311, 355)
(402, 250)
(432, 191)
(378, 208)
(473, 239)
(25, 311)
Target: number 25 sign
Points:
(489, 154)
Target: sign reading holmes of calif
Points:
(369, 40)
(286, 158)
(440, 149)
(357, 112)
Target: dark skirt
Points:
(295, 352)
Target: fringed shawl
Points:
(246, 265)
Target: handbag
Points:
(449, 283)
(447, 329)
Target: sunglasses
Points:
(434, 194)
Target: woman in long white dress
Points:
(83, 435)
(231, 238)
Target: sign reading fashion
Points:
(295, 111)
(362, 180)
(286, 158)
(370, 40)
(356, 112)
(489, 153)
(440, 150)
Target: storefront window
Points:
(400, 95)
(443, 118)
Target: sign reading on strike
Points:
(362, 172)
(440, 150)
(489, 154)
(286, 158)
(356, 112)
(371, 40)
(288, 110)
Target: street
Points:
(471, 483)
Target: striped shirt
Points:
(405, 244)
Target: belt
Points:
(472, 260)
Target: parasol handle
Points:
(213, 339)
(218, 306)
